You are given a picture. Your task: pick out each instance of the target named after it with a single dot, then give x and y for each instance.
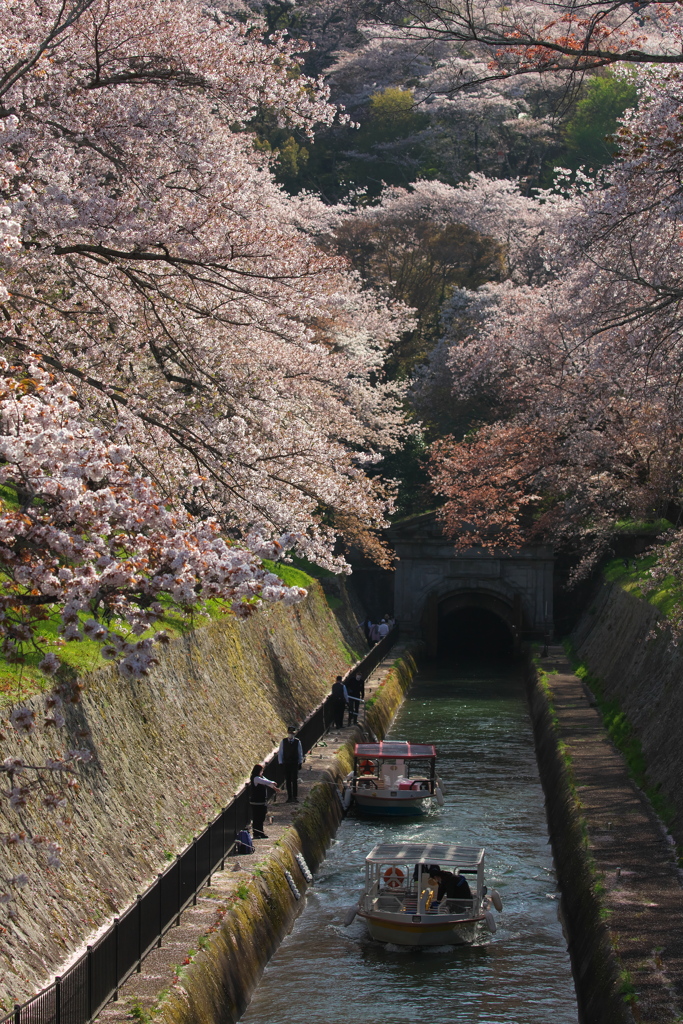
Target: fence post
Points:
(223, 819)
(116, 958)
(178, 891)
(138, 900)
(17, 1013)
(58, 999)
(161, 912)
(194, 850)
(89, 962)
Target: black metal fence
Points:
(88, 985)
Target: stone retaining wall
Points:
(621, 894)
(170, 751)
(645, 675)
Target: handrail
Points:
(83, 991)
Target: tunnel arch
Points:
(472, 616)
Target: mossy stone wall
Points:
(619, 641)
(170, 751)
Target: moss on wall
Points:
(599, 984)
(170, 751)
(382, 707)
(622, 645)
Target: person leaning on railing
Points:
(258, 799)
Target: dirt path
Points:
(634, 857)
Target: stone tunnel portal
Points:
(471, 624)
(442, 590)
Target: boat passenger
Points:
(450, 886)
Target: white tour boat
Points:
(393, 777)
(400, 905)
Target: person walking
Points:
(355, 689)
(258, 799)
(340, 699)
(291, 757)
(383, 629)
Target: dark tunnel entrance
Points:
(474, 632)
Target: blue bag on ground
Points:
(244, 843)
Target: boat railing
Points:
(455, 907)
(405, 902)
(389, 904)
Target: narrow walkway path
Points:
(643, 896)
(160, 969)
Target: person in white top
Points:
(258, 799)
(383, 629)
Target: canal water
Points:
(324, 973)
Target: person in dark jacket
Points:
(339, 701)
(291, 757)
(258, 799)
(450, 886)
(355, 689)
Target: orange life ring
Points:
(394, 877)
(366, 768)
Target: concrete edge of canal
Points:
(216, 986)
(622, 901)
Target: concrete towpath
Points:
(139, 997)
(634, 856)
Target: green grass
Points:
(8, 497)
(628, 526)
(311, 569)
(635, 579)
(19, 682)
(289, 574)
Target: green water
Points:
(327, 974)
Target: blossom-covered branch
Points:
(550, 36)
(154, 268)
(83, 535)
(583, 369)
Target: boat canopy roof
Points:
(465, 857)
(395, 748)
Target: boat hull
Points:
(424, 933)
(370, 804)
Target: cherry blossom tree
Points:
(503, 128)
(87, 536)
(209, 362)
(551, 35)
(188, 383)
(583, 369)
